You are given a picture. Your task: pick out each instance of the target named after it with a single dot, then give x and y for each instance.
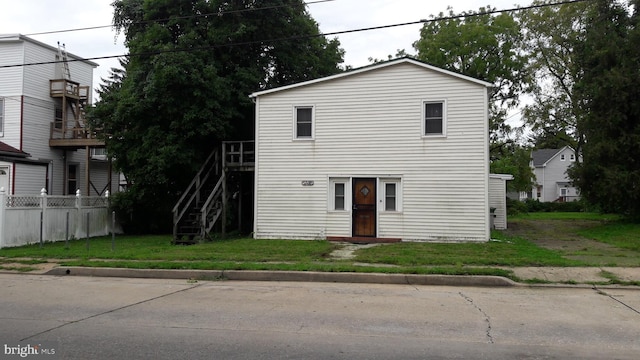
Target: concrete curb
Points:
(303, 276)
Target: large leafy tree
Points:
(191, 67)
(608, 60)
(550, 36)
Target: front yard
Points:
(538, 239)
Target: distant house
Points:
(44, 138)
(392, 151)
(552, 182)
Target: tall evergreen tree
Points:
(191, 67)
(608, 91)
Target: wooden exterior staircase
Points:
(204, 203)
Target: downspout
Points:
(65, 168)
(21, 119)
(13, 173)
(87, 171)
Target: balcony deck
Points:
(68, 88)
(69, 130)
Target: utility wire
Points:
(300, 37)
(176, 18)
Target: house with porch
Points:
(388, 152)
(552, 182)
(45, 142)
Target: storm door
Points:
(364, 207)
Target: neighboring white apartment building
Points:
(396, 150)
(44, 138)
(550, 168)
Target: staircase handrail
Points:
(206, 207)
(192, 187)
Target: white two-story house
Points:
(392, 151)
(552, 182)
(44, 138)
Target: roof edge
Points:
(20, 37)
(501, 176)
(370, 68)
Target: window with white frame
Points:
(339, 194)
(434, 118)
(303, 122)
(572, 157)
(390, 195)
(562, 158)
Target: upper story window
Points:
(562, 157)
(572, 157)
(303, 122)
(434, 118)
(1, 116)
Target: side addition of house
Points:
(44, 139)
(392, 151)
(550, 168)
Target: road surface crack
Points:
(487, 319)
(616, 299)
(110, 311)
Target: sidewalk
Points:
(527, 275)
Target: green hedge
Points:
(529, 205)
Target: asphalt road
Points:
(118, 318)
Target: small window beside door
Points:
(391, 195)
(339, 194)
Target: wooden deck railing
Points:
(69, 88)
(238, 154)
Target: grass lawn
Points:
(521, 247)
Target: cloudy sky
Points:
(30, 17)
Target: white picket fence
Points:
(30, 219)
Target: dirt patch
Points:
(562, 236)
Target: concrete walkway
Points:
(568, 276)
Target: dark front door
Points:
(364, 207)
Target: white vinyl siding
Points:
(30, 179)
(369, 125)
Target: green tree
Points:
(550, 35)
(608, 60)
(515, 160)
(483, 46)
(192, 66)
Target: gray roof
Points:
(543, 155)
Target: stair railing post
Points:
(224, 206)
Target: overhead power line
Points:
(177, 18)
(301, 37)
